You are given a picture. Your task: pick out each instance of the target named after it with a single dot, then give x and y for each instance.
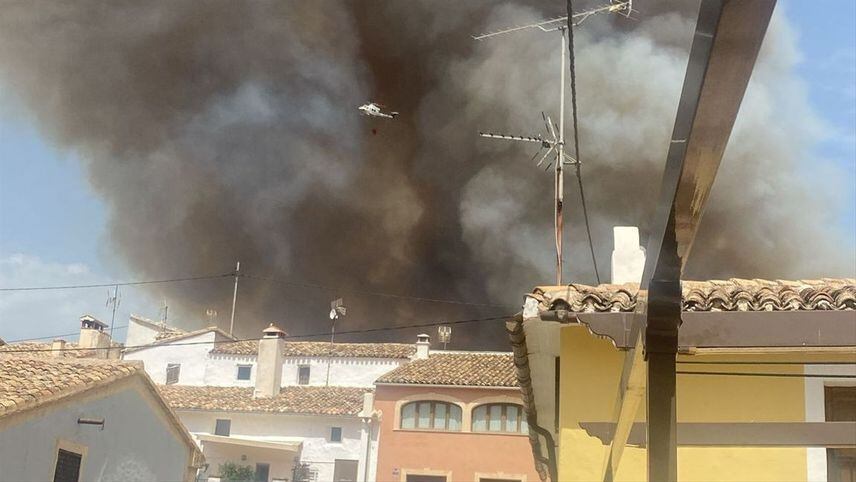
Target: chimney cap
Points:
(273, 331)
(422, 338)
(89, 321)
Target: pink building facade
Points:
(453, 416)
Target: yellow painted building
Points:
(762, 412)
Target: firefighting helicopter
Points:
(373, 109)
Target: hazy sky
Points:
(52, 226)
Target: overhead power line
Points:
(53, 336)
(287, 337)
(577, 136)
(376, 293)
(114, 284)
(235, 274)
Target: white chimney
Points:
(628, 258)
(92, 335)
(423, 346)
(368, 405)
(56, 348)
(269, 363)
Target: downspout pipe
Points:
(517, 337)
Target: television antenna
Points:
(337, 310)
(556, 142)
(444, 334)
(113, 299)
(211, 313)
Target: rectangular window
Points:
(223, 427)
(172, 372)
(303, 375)
(244, 372)
(345, 470)
(335, 434)
(840, 407)
(67, 466)
(262, 472)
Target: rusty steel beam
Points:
(726, 43)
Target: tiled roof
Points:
(321, 348)
(26, 382)
(473, 369)
(716, 295)
(43, 350)
(294, 399)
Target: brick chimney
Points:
(628, 258)
(423, 346)
(269, 363)
(92, 335)
(56, 348)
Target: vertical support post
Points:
(559, 171)
(234, 299)
(662, 417)
(330, 358)
(115, 301)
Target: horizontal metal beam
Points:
(754, 434)
(738, 329)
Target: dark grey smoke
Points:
(220, 131)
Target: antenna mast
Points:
(558, 142)
(113, 300)
(234, 298)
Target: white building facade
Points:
(298, 402)
(88, 420)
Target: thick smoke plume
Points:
(221, 131)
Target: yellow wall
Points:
(590, 372)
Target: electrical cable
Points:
(19, 340)
(125, 283)
(260, 278)
(287, 337)
(577, 135)
(374, 293)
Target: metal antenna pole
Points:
(234, 298)
(115, 301)
(560, 173)
(557, 140)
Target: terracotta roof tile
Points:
(715, 295)
(43, 350)
(27, 381)
(457, 368)
(294, 399)
(321, 348)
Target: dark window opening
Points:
(244, 372)
(172, 372)
(345, 470)
(67, 466)
(262, 472)
(303, 375)
(223, 427)
(336, 434)
(840, 407)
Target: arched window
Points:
(431, 415)
(499, 417)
